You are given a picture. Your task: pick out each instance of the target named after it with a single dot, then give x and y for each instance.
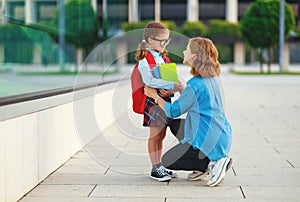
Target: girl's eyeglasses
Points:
(162, 42)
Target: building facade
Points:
(119, 11)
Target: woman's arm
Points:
(152, 93)
(179, 107)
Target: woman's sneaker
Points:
(171, 173)
(218, 171)
(198, 175)
(205, 176)
(160, 175)
(229, 164)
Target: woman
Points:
(206, 138)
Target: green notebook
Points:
(168, 72)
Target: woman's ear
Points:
(194, 57)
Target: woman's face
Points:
(188, 57)
(159, 42)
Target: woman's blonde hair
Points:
(153, 29)
(205, 63)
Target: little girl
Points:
(154, 42)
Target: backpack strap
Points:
(150, 59)
(166, 59)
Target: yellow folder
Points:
(168, 72)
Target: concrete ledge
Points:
(38, 136)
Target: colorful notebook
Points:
(168, 72)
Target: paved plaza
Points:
(265, 114)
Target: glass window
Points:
(17, 10)
(147, 10)
(174, 11)
(45, 10)
(34, 59)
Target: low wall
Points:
(37, 137)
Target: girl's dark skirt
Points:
(154, 116)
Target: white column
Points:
(192, 10)
(5, 9)
(2, 7)
(121, 53)
(232, 16)
(133, 11)
(157, 10)
(37, 55)
(95, 6)
(286, 56)
(29, 11)
(232, 10)
(2, 56)
(239, 53)
(79, 56)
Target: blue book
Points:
(156, 73)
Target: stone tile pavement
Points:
(265, 114)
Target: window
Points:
(30, 52)
(45, 10)
(16, 10)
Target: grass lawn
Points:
(65, 73)
(264, 73)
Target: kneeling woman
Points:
(205, 139)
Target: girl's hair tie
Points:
(143, 40)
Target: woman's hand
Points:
(150, 92)
(178, 86)
(165, 93)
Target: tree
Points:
(81, 24)
(260, 26)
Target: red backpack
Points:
(137, 85)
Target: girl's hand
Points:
(165, 93)
(150, 92)
(178, 86)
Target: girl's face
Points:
(188, 57)
(159, 42)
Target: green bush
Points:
(18, 46)
(128, 26)
(19, 43)
(192, 29)
(9, 32)
(222, 27)
(297, 31)
(173, 57)
(171, 25)
(225, 53)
